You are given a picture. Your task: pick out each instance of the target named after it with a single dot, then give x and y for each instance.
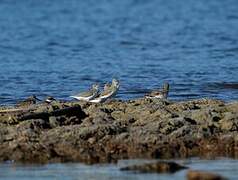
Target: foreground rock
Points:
(157, 167)
(203, 175)
(141, 128)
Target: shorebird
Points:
(49, 99)
(159, 94)
(88, 95)
(108, 92)
(29, 101)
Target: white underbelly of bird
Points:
(81, 98)
(104, 97)
(160, 96)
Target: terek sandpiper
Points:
(108, 92)
(88, 95)
(49, 99)
(159, 94)
(29, 101)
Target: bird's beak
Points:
(38, 99)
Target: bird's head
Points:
(95, 86)
(115, 83)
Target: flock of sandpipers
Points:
(94, 95)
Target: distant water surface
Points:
(61, 47)
(76, 171)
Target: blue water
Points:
(60, 47)
(76, 171)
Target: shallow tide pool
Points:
(77, 171)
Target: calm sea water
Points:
(226, 167)
(60, 47)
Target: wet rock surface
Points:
(141, 128)
(157, 167)
(203, 175)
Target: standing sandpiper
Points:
(88, 95)
(50, 99)
(159, 94)
(27, 102)
(108, 92)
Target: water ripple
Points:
(59, 48)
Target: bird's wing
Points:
(108, 91)
(85, 94)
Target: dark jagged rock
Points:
(67, 111)
(157, 167)
(140, 128)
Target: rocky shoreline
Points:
(107, 132)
